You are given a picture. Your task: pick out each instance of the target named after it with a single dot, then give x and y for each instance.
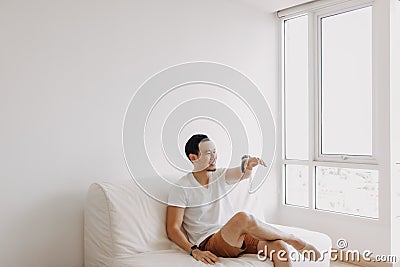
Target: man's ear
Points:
(193, 157)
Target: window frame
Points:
(340, 158)
(316, 158)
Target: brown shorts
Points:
(217, 245)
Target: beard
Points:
(211, 169)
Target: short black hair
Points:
(192, 145)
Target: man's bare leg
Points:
(243, 223)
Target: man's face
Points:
(207, 158)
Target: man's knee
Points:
(244, 218)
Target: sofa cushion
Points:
(121, 220)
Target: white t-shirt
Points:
(206, 209)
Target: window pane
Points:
(351, 191)
(296, 88)
(297, 185)
(347, 83)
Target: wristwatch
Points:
(193, 248)
(244, 158)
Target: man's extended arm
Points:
(175, 234)
(234, 175)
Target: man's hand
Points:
(205, 256)
(252, 162)
(234, 175)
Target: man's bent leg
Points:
(243, 223)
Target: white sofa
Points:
(126, 227)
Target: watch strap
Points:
(244, 159)
(193, 248)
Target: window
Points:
(351, 191)
(328, 111)
(296, 185)
(296, 87)
(346, 83)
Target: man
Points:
(197, 204)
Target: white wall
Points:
(67, 72)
